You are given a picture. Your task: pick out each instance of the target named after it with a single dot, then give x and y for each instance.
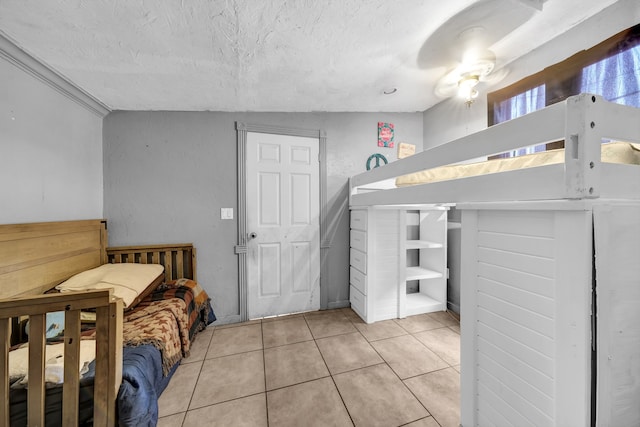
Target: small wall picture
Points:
(405, 150)
(385, 134)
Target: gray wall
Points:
(167, 174)
(50, 152)
(452, 119)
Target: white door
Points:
(283, 259)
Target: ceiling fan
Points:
(476, 65)
(458, 51)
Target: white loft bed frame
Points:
(582, 176)
(542, 248)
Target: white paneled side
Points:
(406, 221)
(529, 403)
(505, 258)
(574, 262)
(496, 369)
(269, 278)
(507, 305)
(469, 415)
(617, 240)
(515, 324)
(532, 285)
(384, 244)
(519, 358)
(301, 267)
(536, 223)
(488, 398)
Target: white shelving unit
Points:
(382, 240)
(425, 233)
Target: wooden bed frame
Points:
(550, 308)
(33, 259)
(179, 260)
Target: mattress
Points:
(614, 152)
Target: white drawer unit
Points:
(358, 280)
(358, 259)
(358, 240)
(359, 219)
(393, 245)
(358, 302)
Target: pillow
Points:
(129, 281)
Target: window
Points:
(519, 105)
(610, 69)
(616, 78)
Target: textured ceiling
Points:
(278, 55)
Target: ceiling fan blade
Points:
(495, 77)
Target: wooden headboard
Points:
(38, 256)
(179, 259)
(35, 257)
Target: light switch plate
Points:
(226, 213)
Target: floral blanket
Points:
(168, 319)
(199, 312)
(162, 324)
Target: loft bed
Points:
(583, 122)
(550, 302)
(127, 362)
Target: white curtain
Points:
(517, 106)
(616, 78)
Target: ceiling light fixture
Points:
(467, 88)
(476, 65)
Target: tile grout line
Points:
(264, 374)
(204, 358)
(331, 375)
(401, 380)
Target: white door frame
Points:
(241, 247)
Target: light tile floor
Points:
(319, 369)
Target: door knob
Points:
(253, 235)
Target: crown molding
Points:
(12, 53)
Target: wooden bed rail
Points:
(179, 260)
(108, 353)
